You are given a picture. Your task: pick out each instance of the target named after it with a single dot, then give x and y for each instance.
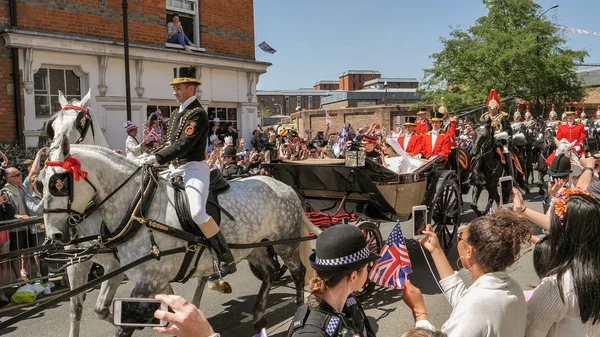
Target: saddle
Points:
(217, 186)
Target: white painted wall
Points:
(220, 88)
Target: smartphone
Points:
(506, 193)
(419, 216)
(137, 312)
(592, 146)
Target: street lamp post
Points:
(280, 112)
(537, 40)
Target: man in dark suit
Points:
(188, 137)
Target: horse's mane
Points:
(106, 151)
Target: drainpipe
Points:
(16, 77)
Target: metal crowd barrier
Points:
(28, 236)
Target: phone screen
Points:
(419, 221)
(133, 312)
(507, 195)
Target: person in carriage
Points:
(422, 123)
(370, 144)
(188, 137)
(436, 141)
(411, 141)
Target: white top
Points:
(434, 135)
(547, 315)
(493, 306)
(407, 139)
(133, 148)
(187, 102)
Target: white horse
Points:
(76, 123)
(567, 148)
(264, 208)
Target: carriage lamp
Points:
(355, 155)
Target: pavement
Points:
(231, 314)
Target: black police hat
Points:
(229, 151)
(560, 167)
(341, 247)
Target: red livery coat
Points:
(415, 144)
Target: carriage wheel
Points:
(445, 217)
(375, 244)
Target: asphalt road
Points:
(231, 315)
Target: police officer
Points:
(188, 136)
(340, 262)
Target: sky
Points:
(319, 40)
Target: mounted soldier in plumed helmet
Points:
(186, 150)
(498, 118)
(517, 119)
(552, 120)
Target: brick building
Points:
(398, 91)
(282, 102)
(355, 79)
(384, 115)
(76, 45)
(327, 85)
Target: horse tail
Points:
(305, 247)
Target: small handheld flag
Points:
(393, 267)
(263, 333)
(327, 120)
(266, 48)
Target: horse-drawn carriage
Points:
(366, 195)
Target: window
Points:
(272, 99)
(226, 115)
(299, 101)
(188, 16)
(47, 84)
(165, 110)
(287, 103)
(310, 102)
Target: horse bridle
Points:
(57, 184)
(83, 123)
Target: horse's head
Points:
(548, 140)
(564, 147)
(66, 191)
(73, 121)
(482, 139)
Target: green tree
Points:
(512, 50)
(265, 112)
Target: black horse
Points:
(547, 146)
(486, 167)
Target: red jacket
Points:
(415, 144)
(452, 133)
(421, 126)
(572, 133)
(442, 145)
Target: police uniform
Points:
(188, 137)
(338, 249)
(232, 170)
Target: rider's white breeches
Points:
(197, 181)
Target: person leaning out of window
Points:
(175, 33)
(494, 302)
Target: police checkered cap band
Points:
(332, 325)
(340, 261)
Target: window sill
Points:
(178, 46)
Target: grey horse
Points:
(258, 203)
(63, 123)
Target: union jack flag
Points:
(394, 265)
(263, 333)
(266, 48)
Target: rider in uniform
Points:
(552, 120)
(516, 123)
(188, 137)
(422, 123)
(572, 131)
(500, 125)
(529, 121)
(340, 263)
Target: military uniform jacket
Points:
(499, 121)
(374, 156)
(421, 126)
(188, 135)
(323, 321)
(441, 146)
(575, 132)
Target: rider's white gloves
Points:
(150, 160)
(577, 148)
(418, 156)
(501, 135)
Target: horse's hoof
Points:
(220, 286)
(262, 323)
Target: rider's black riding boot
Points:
(215, 238)
(226, 261)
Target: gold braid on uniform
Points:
(182, 123)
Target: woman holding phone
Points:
(487, 247)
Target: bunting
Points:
(570, 30)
